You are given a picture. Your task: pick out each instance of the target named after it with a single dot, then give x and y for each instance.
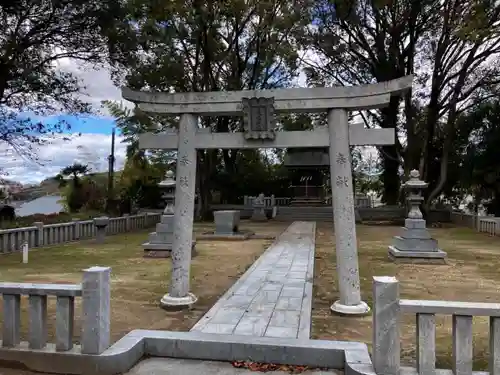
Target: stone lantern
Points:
(415, 244)
(168, 187)
(160, 242)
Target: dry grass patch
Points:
(138, 283)
(470, 275)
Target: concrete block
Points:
(426, 343)
(422, 234)
(11, 336)
(462, 345)
(415, 223)
(96, 310)
(415, 244)
(100, 224)
(434, 257)
(494, 361)
(386, 310)
(226, 222)
(65, 316)
(37, 321)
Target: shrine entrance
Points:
(258, 107)
(308, 172)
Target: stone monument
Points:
(100, 224)
(258, 109)
(160, 242)
(227, 224)
(259, 209)
(415, 244)
(227, 221)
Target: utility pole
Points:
(111, 172)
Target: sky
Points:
(93, 145)
(90, 136)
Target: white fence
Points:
(268, 201)
(42, 235)
(483, 224)
(387, 309)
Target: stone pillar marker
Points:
(96, 295)
(344, 218)
(259, 209)
(227, 222)
(127, 222)
(25, 251)
(100, 224)
(386, 341)
(39, 235)
(179, 295)
(414, 244)
(77, 228)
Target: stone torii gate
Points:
(258, 108)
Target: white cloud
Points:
(88, 148)
(92, 149)
(97, 83)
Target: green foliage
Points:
(480, 164)
(138, 184)
(35, 36)
(77, 192)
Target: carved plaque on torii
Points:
(258, 118)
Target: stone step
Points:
(415, 244)
(161, 237)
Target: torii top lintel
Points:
(317, 99)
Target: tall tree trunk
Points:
(390, 176)
(390, 154)
(205, 189)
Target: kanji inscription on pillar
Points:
(342, 159)
(258, 118)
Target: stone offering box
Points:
(226, 222)
(227, 227)
(100, 224)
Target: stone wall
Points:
(38, 235)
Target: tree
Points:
(361, 42)
(138, 184)
(463, 52)
(210, 46)
(74, 194)
(34, 37)
(448, 45)
(480, 165)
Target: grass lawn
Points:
(138, 283)
(472, 274)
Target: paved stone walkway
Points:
(273, 298)
(173, 366)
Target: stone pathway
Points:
(173, 366)
(273, 298)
